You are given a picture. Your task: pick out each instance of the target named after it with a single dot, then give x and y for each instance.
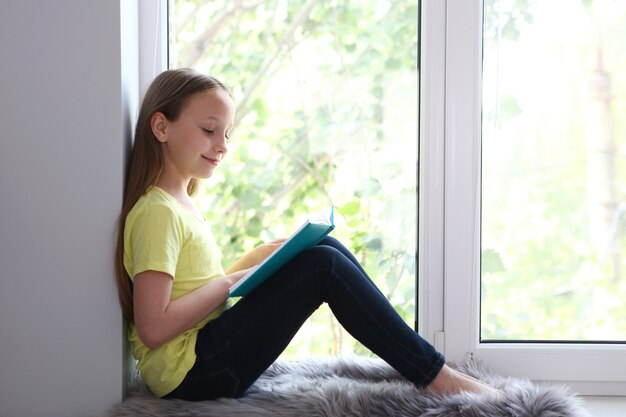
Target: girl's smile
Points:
(213, 161)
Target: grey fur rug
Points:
(359, 387)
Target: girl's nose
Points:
(222, 145)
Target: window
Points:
(531, 234)
(553, 244)
(327, 97)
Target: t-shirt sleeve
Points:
(156, 238)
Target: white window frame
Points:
(452, 320)
(153, 41)
(431, 172)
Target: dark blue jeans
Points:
(237, 347)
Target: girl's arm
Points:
(255, 256)
(158, 320)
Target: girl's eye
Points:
(209, 131)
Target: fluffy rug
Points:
(358, 387)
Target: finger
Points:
(277, 241)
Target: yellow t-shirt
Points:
(161, 234)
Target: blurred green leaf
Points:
(491, 262)
(351, 208)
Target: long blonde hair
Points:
(167, 94)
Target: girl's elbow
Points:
(151, 339)
(152, 343)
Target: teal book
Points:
(309, 234)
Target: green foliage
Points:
(324, 117)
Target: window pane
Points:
(327, 114)
(553, 170)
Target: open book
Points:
(309, 234)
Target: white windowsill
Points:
(606, 406)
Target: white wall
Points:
(63, 131)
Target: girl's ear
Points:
(158, 123)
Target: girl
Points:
(173, 289)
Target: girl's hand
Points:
(256, 255)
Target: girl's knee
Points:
(322, 261)
(330, 241)
(321, 253)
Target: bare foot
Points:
(449, 381)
